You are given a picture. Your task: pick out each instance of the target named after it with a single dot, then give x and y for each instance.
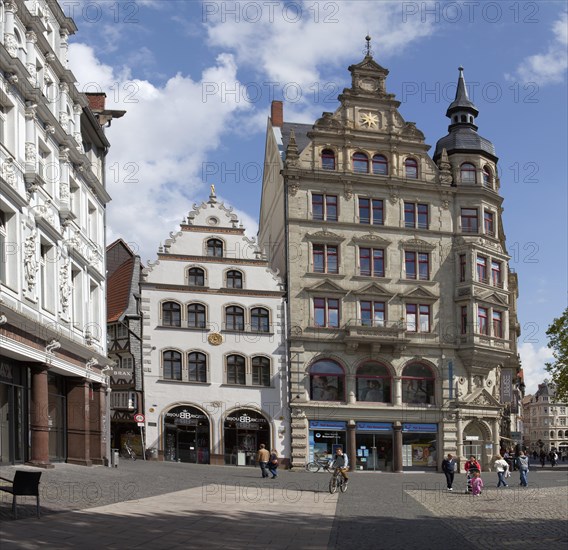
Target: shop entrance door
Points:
(374, 452)
(193, 445)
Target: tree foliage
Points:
(558, 341)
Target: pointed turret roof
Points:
(461, 101)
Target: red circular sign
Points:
(139, 417)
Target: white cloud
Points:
(549, 67)
(157, 149)
(533, 360)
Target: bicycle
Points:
(128, 452)
(337, 481)
(318, 464)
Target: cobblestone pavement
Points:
(167, 505)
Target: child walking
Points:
(476, 484)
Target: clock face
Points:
(370, 120)
(368, 84)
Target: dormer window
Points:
(361, 163)
(328, 159)
(467, 171)
(215, 248)
(411, 168)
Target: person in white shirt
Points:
(502, 469)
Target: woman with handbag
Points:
(273, 463)
(502, 469)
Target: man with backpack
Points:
(523, 466)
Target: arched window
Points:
(171, 365)
(171, 314)
(361, 163)
(328, 159)
(565, 433)
(236, 370)
(464, 118)
(467, 172)
(196, 276)
(196, 316)
(260, 319)
(215, 248)
(559, 433)
(411, 169)
(417, 384)
(234, 318)
(234, 279)
(373, 383)
(487, 176)
(261, 371)
(380, 165)
(197, 367)
(551, 433)
(327, 381)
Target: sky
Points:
(197, 77)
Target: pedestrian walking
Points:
(476, 484)
(262, 457)
(449, 468)
(542, 458)
(553, 457)
(502, 469)
(273, 463)
(523, 465)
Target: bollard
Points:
(114, 457)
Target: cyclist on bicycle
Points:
(341, 464)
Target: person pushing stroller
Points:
(472, 467)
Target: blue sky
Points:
(197, 78)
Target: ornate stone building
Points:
(214, 355)
(402, 307)
(52, 242)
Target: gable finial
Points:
(369, 52)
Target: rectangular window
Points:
(496, 279)
(378, 212)
(482, 269)
(463, 265)
(417, 318)
(488, 221)
(372, 313)
(3, 246)
(324, 207)
(498, 324)
(372, 262)
(416, 215)
(121, 331)
(464, 319)
(414, 259)
(469, 221)
(326, 312)
(371, 211)
(325, 258)
(482, 325)
(364, 210)
(48, 264)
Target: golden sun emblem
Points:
(215, 339)
(370, 120)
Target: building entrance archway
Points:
(477, 442)
(186, 435)
(243, 432)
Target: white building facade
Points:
(214, 372)
(52, 241)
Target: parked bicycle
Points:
(127, 451)
(337, 481)
(318, 464)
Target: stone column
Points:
(31, 40)
(78, 425)
(397, 449)
(77, 110)
(63, 102)
(31, 145)
(352, 444)
(10, 42)
(397, 390)
(63, 47)
(64, 191)
(39, 418)
(459, 425)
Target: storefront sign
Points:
(423, 428)
(246, 420)
(327, 425)
(325, 435)
(374, 427)
(187, 416)
(506, 385)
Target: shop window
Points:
(234, 279)
(171, 314)
(373, 383)
(196, 276)
(327, 381)
(260, 319)
(417, 384)
(380, 165)
(197, 367)
(196, 316)
(171, 365)
(234, 318)
(236, 373)
(328, 159)
(261, 371)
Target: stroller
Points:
(470, 474)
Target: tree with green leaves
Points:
(558, 341)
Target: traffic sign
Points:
(139, 417)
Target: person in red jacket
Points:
(473, 464)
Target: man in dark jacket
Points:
(449, 468)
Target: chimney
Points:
(96, 101)
(277, 113)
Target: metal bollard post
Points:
(115, 455)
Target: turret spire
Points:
(461, 107)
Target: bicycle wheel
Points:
(312, 467)
(343, 485)
(132, 455)
(124, 453)
(333, 482)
